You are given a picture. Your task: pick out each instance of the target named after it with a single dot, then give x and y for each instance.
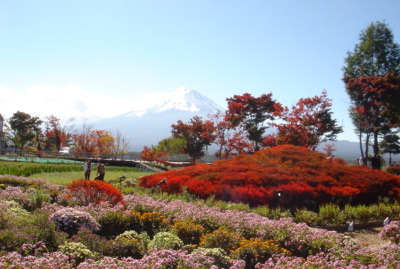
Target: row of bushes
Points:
(85, 192)
(27, 169)
(286, 176)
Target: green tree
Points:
(197, 134)
(23, 129)
(170, 145)
(376, 55)
(371, 75)
(390, 144)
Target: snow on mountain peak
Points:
(183, 99)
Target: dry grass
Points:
(368, 236)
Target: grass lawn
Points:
(62, 178)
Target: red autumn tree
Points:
(230, 140)
(150, 154)
(56, 134)
(375, 102)
(309, 123)
(94, 141)
(253, 112)
(197, 134)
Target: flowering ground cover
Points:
(48, 226)
(285, 176)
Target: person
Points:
(87, 167)
(101, 171)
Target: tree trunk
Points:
(376, 151)
(366, 149)
(363, 159)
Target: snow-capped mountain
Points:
(182, 99)
(151, 122)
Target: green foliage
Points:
(92, 241)
(255, 251)
(28, 228)
(129, 235)
(38, 197)
(307, 216)
(188, 231)
(359, 213)
(331, 214)
(153, 222)
(164, 240)
(78, 251)
(127, 244)
(222, 238)
(170, 145)
(23, 128)
(221, 259)
(376, 54)
(114, 223)
(125, 247)
(27, 169)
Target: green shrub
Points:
(188, 231)
(307, 216)
(163, 240)
(92, 241)
(221, 238)
(220, 258)
(128, 235)
(272, 213)
(331, 214)
(27, 169)
(77, 251)
(38, 197)
(153, 223)
(125, 247)
(30, 230)
(383, 210)
(359, 213)
(114, 223)
(255, 251)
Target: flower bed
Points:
(159, 233)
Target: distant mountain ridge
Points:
(182, 99)
(147, 125)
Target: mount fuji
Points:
(153, 116)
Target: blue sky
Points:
(94, 57)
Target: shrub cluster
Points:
(95, 191)
(285, 176)
(69, 220)
(161, 233)
(27, 169)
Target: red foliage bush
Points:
(304, 177)
(95, 191)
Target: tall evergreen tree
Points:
(371, 75)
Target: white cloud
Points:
(71, 101)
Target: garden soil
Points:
(368, 236)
